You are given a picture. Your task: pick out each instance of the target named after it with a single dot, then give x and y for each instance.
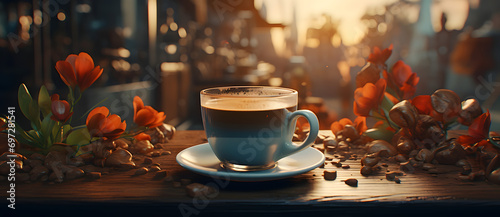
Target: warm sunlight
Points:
(309, 13)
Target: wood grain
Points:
(307, 191)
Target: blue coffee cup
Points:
(251, 127)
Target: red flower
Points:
(146, 115)
(368, 97)
(78, 70)
(101, 124)
(142, 136)
(380, 56)
(60, 109)
(423, 104)
(359, 124)
(478, 131)
(402, 79)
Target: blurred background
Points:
(166, 51)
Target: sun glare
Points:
(308, 13)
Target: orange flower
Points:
(142, 136)
(359, 124)
(101, 124)
(146, 115)
(60, 109)
(78, 70)
(402, 79)
(380, 56)
(478, 131)
(368, 97)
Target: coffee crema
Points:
(246, 105)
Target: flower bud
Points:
(370, 73)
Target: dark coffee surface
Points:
(228, 123)
(248, 137)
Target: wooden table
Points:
(121, 193)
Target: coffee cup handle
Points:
(289, 147)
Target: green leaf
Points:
(47, 126)
(44, 101)
(58, 133)
(26, 138)
(24, 98)
(66, 129)
(382, 134)
(22, 136)
(78, 137)
(28, 106)
(34, 134)
(34, 111)
(386, 104)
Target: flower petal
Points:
(360, 124)
(117, 132)
(112, 122)
(142, 136)
(66, 73)
(90, 78)
(423, 104)
(71, 59)
(345, 121)
(159, 118)
(466, 140)
(83, 65)
(144, 117)
(113, 134)
(95, 123)
(138, 105)
(54, 97)
(336, 127)
(381, 85)
(99, 110)
(480, 127)
(361, 111)
(401, 72)
(365, 102)
(369, 91)
(380, 56)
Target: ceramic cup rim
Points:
(287, 92)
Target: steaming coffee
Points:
(252, 131)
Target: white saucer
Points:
(201, 159)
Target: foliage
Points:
(50, 117)
(387, 95)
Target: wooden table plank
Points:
(309, 189)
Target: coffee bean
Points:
(351, 182)
(330, 174)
